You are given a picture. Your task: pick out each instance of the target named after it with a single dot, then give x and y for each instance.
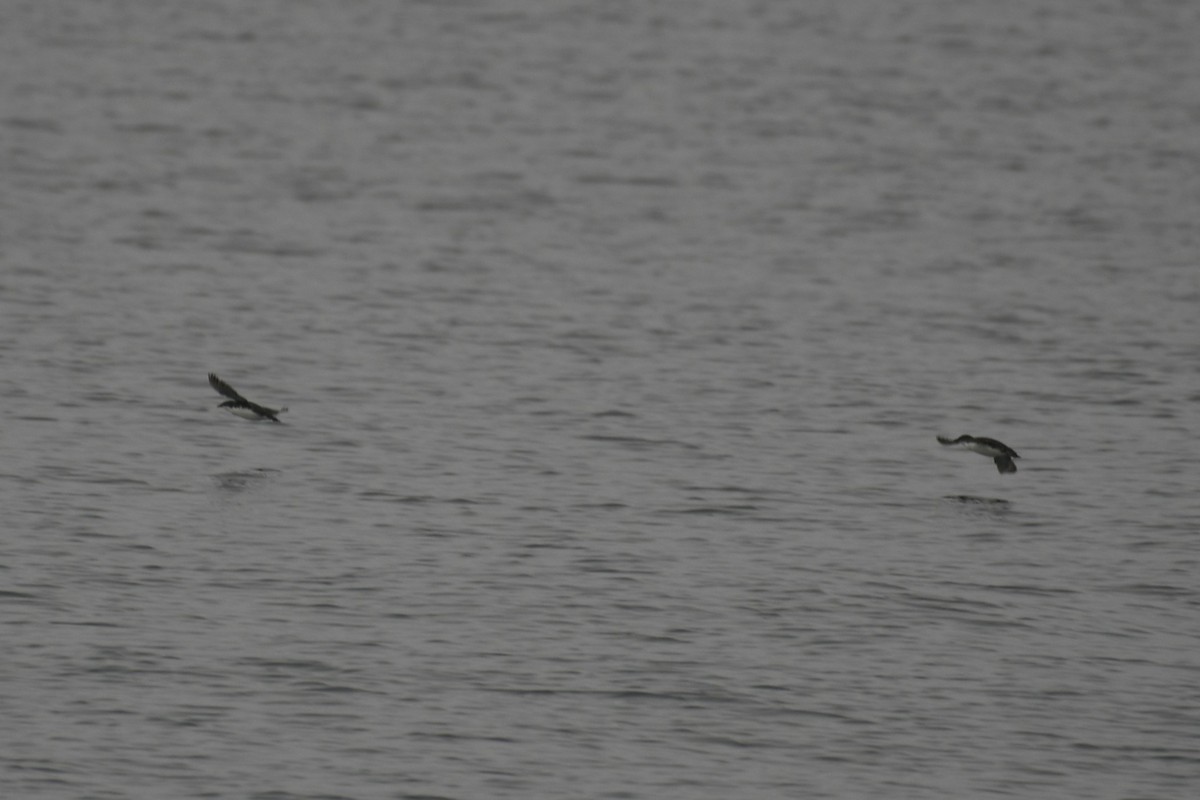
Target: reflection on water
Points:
(245, 479)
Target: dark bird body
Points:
(999, 452)
(240, 406)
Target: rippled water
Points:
(616, 338)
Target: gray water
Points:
(616, 337)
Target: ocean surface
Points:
(616, 337)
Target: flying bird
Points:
(236, 404)
(999, 452)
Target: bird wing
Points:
(225, 389)
(1001, 446)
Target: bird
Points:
(240, 406)
(999, 452)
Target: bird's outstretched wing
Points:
(225, 389)
(1001, 446)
